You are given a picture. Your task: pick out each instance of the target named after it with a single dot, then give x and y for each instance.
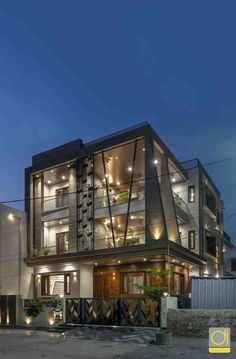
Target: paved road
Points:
(19, 344)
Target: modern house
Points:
(102, 212)
(15, 275)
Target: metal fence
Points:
(113, 311)
(214, 293)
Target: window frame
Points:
(45, 284)
(130, 274)
(192, 187)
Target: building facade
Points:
(15, 276)
(101, 213)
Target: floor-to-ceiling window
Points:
(119, 180)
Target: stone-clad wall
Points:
(196, 322)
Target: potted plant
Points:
(32, 309)
(46, 251)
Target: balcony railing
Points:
(118, 198)
(49, 251)
(56, 202)
(131, 240)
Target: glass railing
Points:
(118, 198)
(49, 251)
(131, 240)
(55, 203)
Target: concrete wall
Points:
(15, 275)
(196, 322)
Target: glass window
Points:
(62, 242)
(191, 239)
(119, 179)
(58, 284)
(191, 194)
(131, 282)
(233, 264)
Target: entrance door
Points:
(62, 242)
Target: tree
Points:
(32, 309)
(156, 292)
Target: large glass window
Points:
(132, 281)
(58, 284)
(119, 180)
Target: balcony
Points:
(181, 208)
(55, 203)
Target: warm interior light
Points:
(95, 263)
(10, 216)
(60, 222)
(49, 182)
(116, 157)
(118, 183)
(119, 225)
(119, 262)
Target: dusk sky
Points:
(74, 68)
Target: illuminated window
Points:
(58, 284)
(191, 194)
(132, 281)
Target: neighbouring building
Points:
(229, 261)
(15, 276)
(102, 212)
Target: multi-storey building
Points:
(102, 212)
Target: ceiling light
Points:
(49, 181)
(183, 264)
(52, 171)
(63, 177)
(206, 272)
(116, 157)
(106, 175)
(37, 176)
(173, 260)
(95, 263)
(118, 183)
(68, 166)
(129, 169)
(60, 222)
(144, 149)
(156, 162)
(45, 224)
(119, 225)
(173, 179)
(144, 259)
(10, 216)
(131, 217)
(118, 262)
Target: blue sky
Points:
(72, 69)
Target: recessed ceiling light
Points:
(131, 217)
(183, 264)
(156, 162)
(95, 263)
(119, 225)
(118, 262)
(144, 259)
(173, 260)
(60, 222)
(116, 157)
(106, 175)
(52, 171)
(173, 179)
(49, 182)
(63, 177)
(68, 166)
(37, 176)
(144, 149)
(130, 169)
(118, 183)
(45, 224)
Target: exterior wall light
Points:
(10, 216)
(51, 321)
(130, 169)
(28, 321)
